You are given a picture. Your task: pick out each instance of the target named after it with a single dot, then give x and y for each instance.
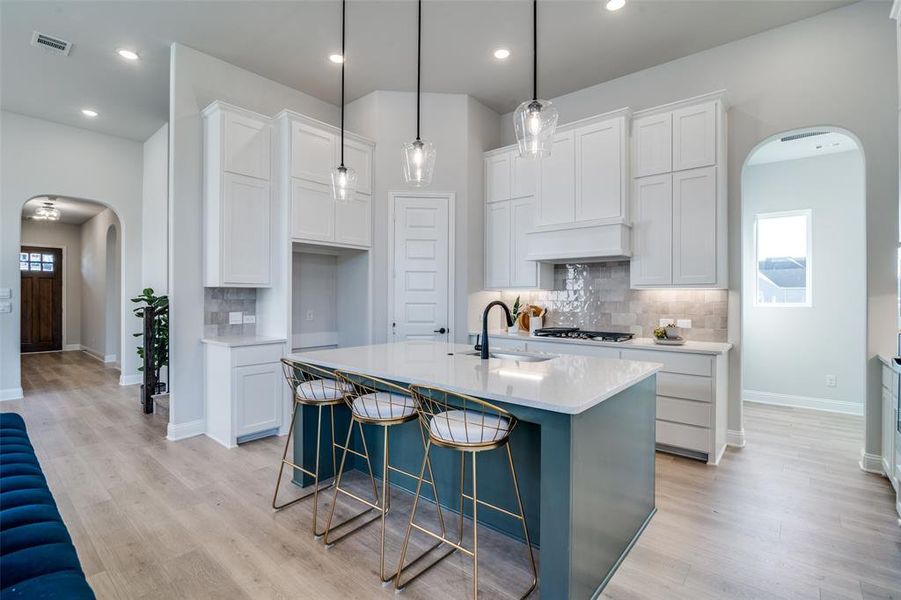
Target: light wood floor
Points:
(790, 516)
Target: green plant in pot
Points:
(159, 349)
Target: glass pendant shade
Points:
(534, 123)
(419, 162)
(344, 184)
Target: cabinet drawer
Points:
(577, 349)
(674, 362)
(689, 387)
(256, 355)
(683, 411)
(683, 436)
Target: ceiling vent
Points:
(51, 43)
(801, 136)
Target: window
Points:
(782, 254)
(35, 261)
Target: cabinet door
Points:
(246, 146)
(888, 433)
(257, 398)
(312, 211)
(352, 221)
(312, 153)
(523, 273)
(652, 145)
(497, 245)
(245, 230)
(694, 136)
(556, 183)
(599, 171)
(497, 177)
(694, 227)
(652, 230)
(524, 175)
(357, 156)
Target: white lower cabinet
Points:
(889, 424)
(245, 393)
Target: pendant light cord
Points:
(343, 62)
(534, 49)
(418, 65)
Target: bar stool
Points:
(377, 402)
(466, 424)
(311, 386)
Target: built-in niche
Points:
(330, 297)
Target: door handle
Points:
(442, 330)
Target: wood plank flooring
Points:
(790, 516)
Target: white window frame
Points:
(808, 213)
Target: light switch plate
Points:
(250, 319)
(235, 318)
(6, 293)
(6, 307)
(830, 381)
(683, 323)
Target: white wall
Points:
(461, 129)
(314, 292)
(67, 237)
(196, 80)
(43, 158)
(95, 307)
(155, 212)
(788, 351)
(839, 69)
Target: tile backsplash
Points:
(597, 296)
(218, 302)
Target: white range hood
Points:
(578, 242)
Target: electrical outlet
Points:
(683, 323)
(665, 322)
(309, 315)
(235, 318)
(250, 319)
(830, 381)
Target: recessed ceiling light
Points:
(89, 113)
(127, 54)
(336, 58)
(615, 4)
(501, 53)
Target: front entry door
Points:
(42, 299)
(421, 267)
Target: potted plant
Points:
(517, 308)
(155, 352)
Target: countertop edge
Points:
(239, 341)
(889, 362)
(646, 344)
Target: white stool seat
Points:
(468, 427)
(383, 405)
(323, 390)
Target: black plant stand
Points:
(150, 383)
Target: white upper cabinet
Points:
(497, 244)
(237, 199)
(557, 184)
(312, 211)
(694, 227)
(694, 136)
(600, 176)
(525, 273)
(312, 152)
(352, 221)
(497, 177)
(680, 240)
(652, 230)
(652, 145)
(357, 156)
(524, 175)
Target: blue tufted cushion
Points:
(37, 558)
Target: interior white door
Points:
(421, 268)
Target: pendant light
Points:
(419, 155)
(344, 179)
(535, 120)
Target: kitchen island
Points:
(584, 447)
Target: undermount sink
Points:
(519, 356)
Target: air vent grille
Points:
(801, 136)
(51, 43)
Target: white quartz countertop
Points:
(889, 362)
(234, 341)
(635, 344)
(565, 384)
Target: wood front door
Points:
(42, 299)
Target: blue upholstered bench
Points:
(37, 558)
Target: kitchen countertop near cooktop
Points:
(634, 344)
(234, 341)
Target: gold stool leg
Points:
(525, 528)
(285, 461)
(386, 491)
(403, 548)
(475, 530)
(281, 466)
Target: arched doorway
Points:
(112, 302)
(804, 304)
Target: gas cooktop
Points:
(581, 334)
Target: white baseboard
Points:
(181, 431)
(71, 347)
(132, 379)
(735, 438)
(871, 463)
(11, 394)
(92, 353)
(836, 406)
(110, 358)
